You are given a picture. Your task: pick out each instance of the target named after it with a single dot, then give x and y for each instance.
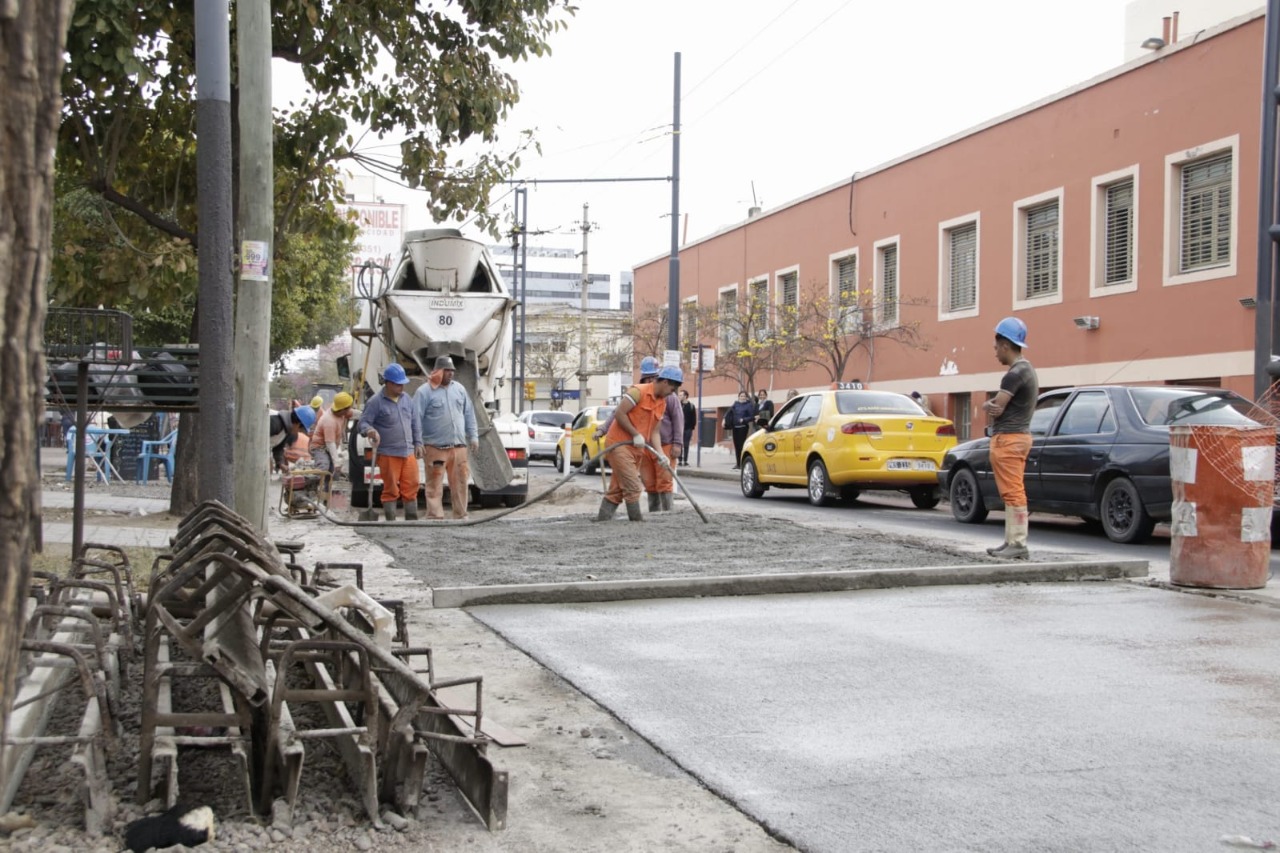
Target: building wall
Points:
(1145, 18)
(1142, 117)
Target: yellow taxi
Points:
(840, 442)
(581, 437)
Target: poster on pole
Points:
(380, 237)
(702, 359)
(671, 358)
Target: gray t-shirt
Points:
(1021, 382)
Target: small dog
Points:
(179, 825)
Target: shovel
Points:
(369, 514)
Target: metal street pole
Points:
(673, 275)
(1267, 309)
(698, 437)
(216, 459)
(582, 320)
(253, 293)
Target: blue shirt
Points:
(398, 429)
(447, 415)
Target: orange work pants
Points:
(655, 478)
(1009, 451)
(453, 461)
(625, 483)
(399, 478)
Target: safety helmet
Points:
(671, 373)
(394, 373)
(1013, 329)
(342, 401)
(648, 366)
(305, 416)
(444, 362)
(317, 402)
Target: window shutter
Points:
(1206, 213)
(1118, 260)
(1042, 250)
(963, 284)
(889, 284)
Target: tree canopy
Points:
(432, 78)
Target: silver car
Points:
(546, 428)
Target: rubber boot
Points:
(633, 511)
(667, 502)
(1015, 535)
(410, 510)
(654, 500)
(389, 511)
(607, 510)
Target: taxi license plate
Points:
(910, 465)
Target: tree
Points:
(828, 331)
(32, 39)
(753, 340)
(649, 331)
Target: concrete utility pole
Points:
(214, 465)
(582, 321)
(257, 224)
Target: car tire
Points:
(490, 501)
(750, 479)
(926, 497)
(821, 489)
(967, 506)
(514, 500)
(594, 466)
(559, 459)
(1124, 518)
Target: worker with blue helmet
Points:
(283, 431)
(659, 484)
(390, 424)
(648, 367)
(1010, 413)
(640, 421)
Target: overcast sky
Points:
(780, 98)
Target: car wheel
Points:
(514, 500)
(559, 459)
(490, 501)
(926, 497)
(1124, 518)
(750, 479)
(850, 494)
(966, 498)
(821, 491)
(594, 466)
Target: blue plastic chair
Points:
(94, 455)
(161, 451)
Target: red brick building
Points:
(1118, 219)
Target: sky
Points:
(779, 99)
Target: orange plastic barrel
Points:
(1223, 483)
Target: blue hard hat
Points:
(648, 366)
(306, 416)
(672, 374)
(394, 373)
(1013, 329)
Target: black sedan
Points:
(1098, 452)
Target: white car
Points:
(546, 428)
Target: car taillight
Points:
(531, 432)
(947, 431)
(515, 454)
(860, 428)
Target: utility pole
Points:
(216, 459)
(253, 296)
(582, 321)
(673, 266)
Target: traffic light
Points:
(530, 390)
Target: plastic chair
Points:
(161, 451)
(94, 455)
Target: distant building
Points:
(554, 277)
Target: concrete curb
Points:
(577, 592)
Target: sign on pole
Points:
(671, 358)
(702, 359)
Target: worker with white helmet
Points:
(1010, 412)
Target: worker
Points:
(283, 433)
(449, 430)
(317, 405)
(1010, 411)
(330, 433)
(637, 426)
(658, 480)
(391, 425)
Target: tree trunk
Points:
(32, 37)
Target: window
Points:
(1037, 259)
(788, 300)
(1113, 240)
(727, 309)
(962, 267)
(1088, 414)
(810, 410)
(1206, 213)
(1201, 213)
(1117, 253)
(758, 308)
(844, 292)
(887, 282)
(1046, 410)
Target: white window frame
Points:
(878, 248)
(1098, 234)
(1173, 165)
(833, 281)
(794, 269)
(944, 266)
(727, 341)
(1020, 208)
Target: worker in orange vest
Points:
(635, 428)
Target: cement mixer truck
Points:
(442, 296)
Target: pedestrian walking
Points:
(1010, 411)
(391, 425)
(448, 431)
(637, 424)
(738, 421)
(690, 412)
